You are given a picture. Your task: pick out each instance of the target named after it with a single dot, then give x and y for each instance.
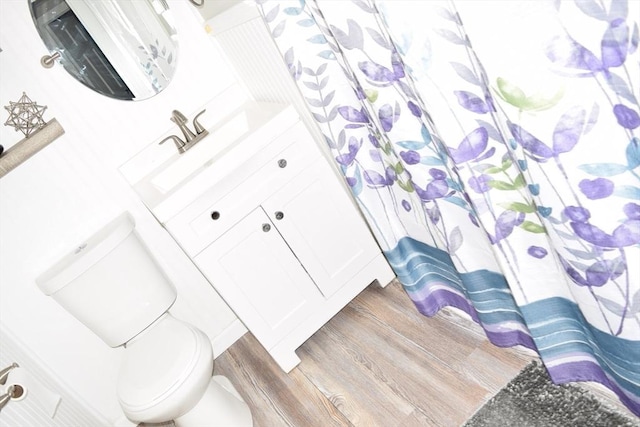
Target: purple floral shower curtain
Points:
(493, 148)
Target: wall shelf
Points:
(27, 147)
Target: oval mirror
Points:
(120, 48)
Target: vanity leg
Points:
(382, 271)
(384, 284)
(286, 359)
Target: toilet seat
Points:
(165, 370)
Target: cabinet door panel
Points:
(322, 227)
(258, 276)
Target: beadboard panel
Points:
(245, 40)
(27, 412)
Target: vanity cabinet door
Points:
(255, 272)
(317, 218)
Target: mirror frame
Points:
(122, 49)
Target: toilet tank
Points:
(110, 283)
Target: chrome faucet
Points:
(190, 138)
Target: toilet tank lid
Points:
(85, 255)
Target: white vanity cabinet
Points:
(259, 210)
(282, 243)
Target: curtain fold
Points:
(493, 148)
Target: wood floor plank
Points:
(378, 362)
(418, 419)
(344, 376)
(482, 368)
(275, 398)
(445, 340)
(406, 368)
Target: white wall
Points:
(68, 190)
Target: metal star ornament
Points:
(25, 115)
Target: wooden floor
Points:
(376, 363)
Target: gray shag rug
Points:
(532, 400)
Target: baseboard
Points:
(229, 335)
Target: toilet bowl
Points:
(164, 371)
(112, 284)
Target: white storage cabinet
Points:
(282, 243)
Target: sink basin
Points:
(166, 181)
(203, 153)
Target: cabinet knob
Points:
(279, 215)
(215, 215)
(266, 227)
(282, 163)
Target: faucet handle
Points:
(196, 124)
(5, 372)
(179, 143)
(178, 118)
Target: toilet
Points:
(112, 284)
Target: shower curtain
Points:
(493, 149)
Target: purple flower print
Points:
(601, 272)
(597, 274)
(436, 189)
(378, 73)
(632, 210)
(374, 179)
(434, 214)
(396, 64)
(577, 214)
(568, 130)
(410, 157)
(614, 43)
(480, 184)
(473, 219)
(537, 149)
(415, 110)
(471, 146)
(374, 141)
(626, 117)
(375, 156)
(471, 102)
(390, 174)
(386, 116)
(537, 252)
(598, 188)
(573, 273)
(565, 51)
(348, 158)
(350, 114)
(626, 234)
(505, 224)
(437, 173)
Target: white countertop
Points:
(167, 181)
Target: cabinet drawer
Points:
(227, 202)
